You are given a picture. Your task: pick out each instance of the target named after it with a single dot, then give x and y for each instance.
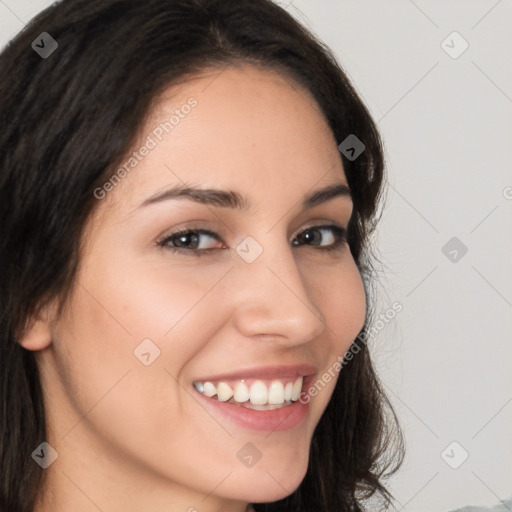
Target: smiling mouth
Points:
(258, 394)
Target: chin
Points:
(267, 484)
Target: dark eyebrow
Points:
(235, 200)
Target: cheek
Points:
(341, 297)
(342, 301)
(352, 306)
(134, 301)
(120, 314)
(106, 384)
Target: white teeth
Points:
(209, 389)
(224, 392)
(296, 389)
(241, 392)
(276, 393)
(259, 393)
(288, 390)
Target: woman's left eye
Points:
(188, 241)
(337, 236)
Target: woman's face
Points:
(260, 299)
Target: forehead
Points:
(244, 128)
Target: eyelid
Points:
(191, 229)
(322, 223)
(194, 225)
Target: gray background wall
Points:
(445, 114)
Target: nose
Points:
(271, 297)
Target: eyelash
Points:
(340, 235)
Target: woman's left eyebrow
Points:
(232, 199)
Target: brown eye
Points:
(335, 238)
(190, 241)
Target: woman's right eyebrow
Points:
(221, 198)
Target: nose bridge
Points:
(273, 297)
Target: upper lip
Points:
(264, 372)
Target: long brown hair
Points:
(67, 120)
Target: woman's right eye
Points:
(188, 241)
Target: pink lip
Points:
(264, 372)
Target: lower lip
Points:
(274, 420)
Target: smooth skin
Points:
(136, 438)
